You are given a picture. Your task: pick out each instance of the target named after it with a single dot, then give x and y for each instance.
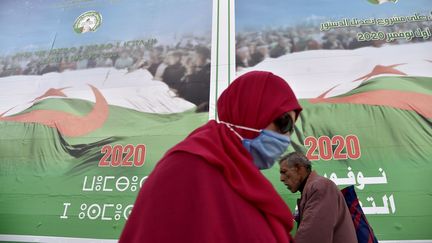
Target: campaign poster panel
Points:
(93, 93)
(363, 72)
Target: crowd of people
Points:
(252, 47)
(183, 66)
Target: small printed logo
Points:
(382, 1)
(87, 22)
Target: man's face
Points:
(290, 176)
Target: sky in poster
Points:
(30, 25)
(257, 14)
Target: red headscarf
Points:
(255, 99)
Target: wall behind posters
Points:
(363, 72)
(92, 95)
(85, 111)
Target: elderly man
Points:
(323, 214)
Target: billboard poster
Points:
(363, 72)
(93, 92)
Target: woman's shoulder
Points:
(182, 162)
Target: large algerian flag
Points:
(76, 146)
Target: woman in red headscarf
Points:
(208, 188)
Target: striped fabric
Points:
(364, 231)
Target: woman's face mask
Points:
(265, 148)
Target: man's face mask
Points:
(265, 148)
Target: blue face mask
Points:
(265, 148)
